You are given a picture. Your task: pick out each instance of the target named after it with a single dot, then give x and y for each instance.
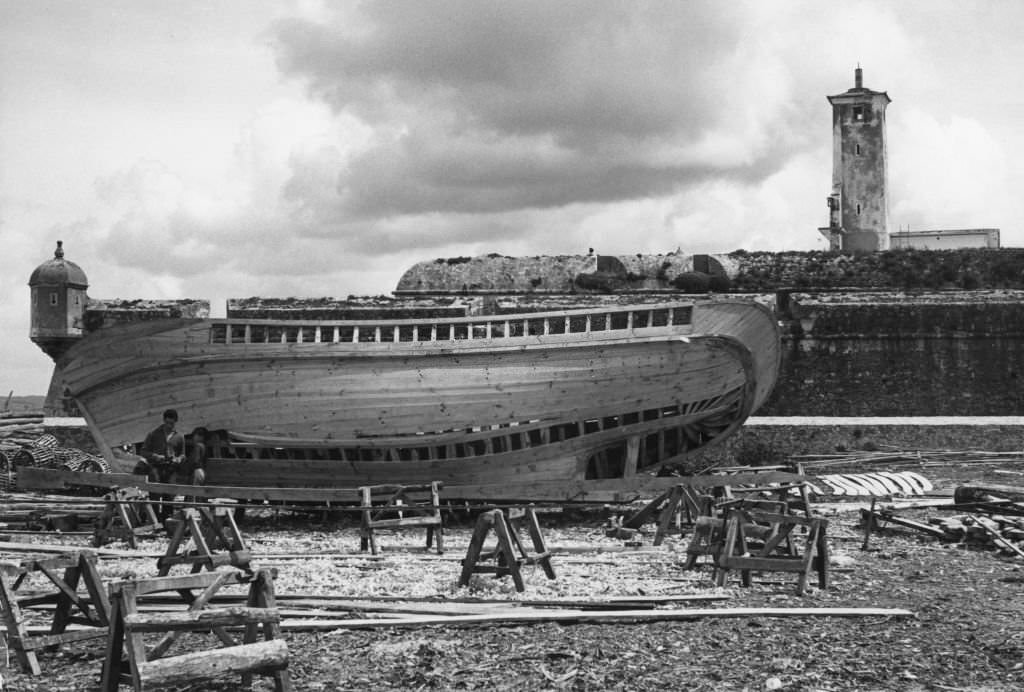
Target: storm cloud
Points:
(485, 107)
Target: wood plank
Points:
(606, 490)
(574, 616)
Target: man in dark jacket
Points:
(164, 449)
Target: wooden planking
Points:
(338, 389)
(385, 398)
(267, 472)
(753, 325)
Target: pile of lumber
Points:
(22, 513)
(989, 515)
(311, 613)
(917, 458)
(1004, 533)
(19, 429)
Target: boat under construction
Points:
(555, 396)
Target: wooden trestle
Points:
(92, 611)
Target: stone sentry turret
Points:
(859, 203)
(59, 301)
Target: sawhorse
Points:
(207, 530)
(266, 655)
(777, 550)
(94, 612)
(509, 554)
(128, 514)
(396, 508)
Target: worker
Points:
(163, 450)
(193, 470)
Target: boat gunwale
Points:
(468, 319)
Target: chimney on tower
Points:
(858, 78)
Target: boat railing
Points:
(491, 327)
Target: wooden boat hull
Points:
(501, 404)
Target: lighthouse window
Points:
(53, 299)
(858, 210)
(856, 149)
(858, 114)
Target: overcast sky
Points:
(254, 147)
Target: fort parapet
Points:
(100, 313)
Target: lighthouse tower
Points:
(859, 203)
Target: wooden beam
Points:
(573, 616)
(206, 664)
(605, 490)
(192, 620)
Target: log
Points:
(195, 620)
(245, 658)
(24, 420)
(965, 494)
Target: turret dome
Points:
(58, 271)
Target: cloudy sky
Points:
(213, 149)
